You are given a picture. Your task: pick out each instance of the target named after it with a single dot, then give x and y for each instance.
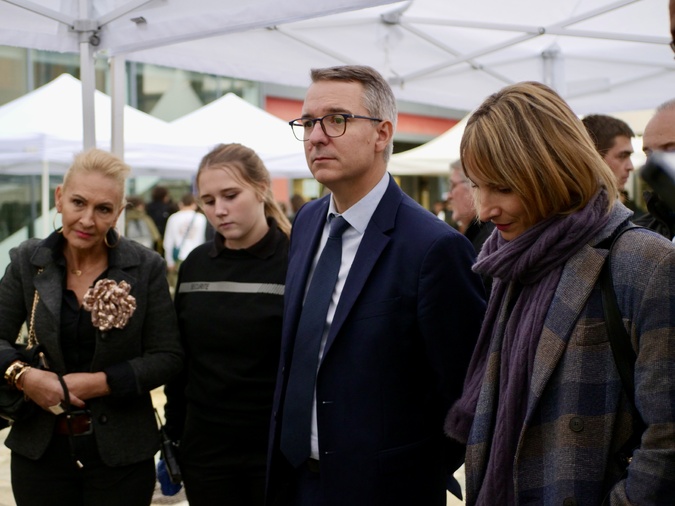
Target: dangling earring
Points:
(59, 230)
(112, 232)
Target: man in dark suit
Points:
(400, 326)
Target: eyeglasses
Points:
(672, 45)
(333, 125)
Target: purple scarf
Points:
(526, 273)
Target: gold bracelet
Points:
(23, 371)
(13, 370)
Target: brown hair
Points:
(604, 129)
(252, 172)
(526, 138)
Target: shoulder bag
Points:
(14, 405)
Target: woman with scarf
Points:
(543, 413)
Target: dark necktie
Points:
(297, 415)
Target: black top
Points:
(229, 305)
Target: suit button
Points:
(570, 501)
(103, 419)
(577, 425)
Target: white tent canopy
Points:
(232, 119)
(45, 126)
(601, 55)
(432, 158)
(116, 27)
(41, 131)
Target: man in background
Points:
(159, 209)
(464, 210)
(612, 139)
(464, 213)
(659, 135)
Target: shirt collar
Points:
(360, 213)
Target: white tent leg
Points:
(88, 78)
(118, 100)
(45, 198)
(118, 96)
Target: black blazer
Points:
(124, 423)
(395, 358)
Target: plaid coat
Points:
(577, 415)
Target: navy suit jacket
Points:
(395, 358)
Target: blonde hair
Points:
(251, 170)
(526, 138)
(97, 161)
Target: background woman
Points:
(543, 412)
(109, 372)
(229, 301)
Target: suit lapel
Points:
(306, 241)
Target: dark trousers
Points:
(305, 489)
(55, 479)
(227, 490)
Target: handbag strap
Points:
(619, 340)
(32, 336)
(69, 417)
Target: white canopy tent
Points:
(602, 55)
(41, 131)
(432, 158)
(116, 27)
(232, 119)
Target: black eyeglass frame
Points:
(300, 122)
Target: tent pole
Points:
(118, 100)
(45, 197)
(88, 78)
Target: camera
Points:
(659, 173)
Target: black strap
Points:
(622, 349)
(69, 416)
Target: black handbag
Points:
(14, 405)
(169, 453)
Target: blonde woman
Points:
(109, 360)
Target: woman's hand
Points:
(45, 390)
(86, 385)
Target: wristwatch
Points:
(14, 371)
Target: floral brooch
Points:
(110, 304)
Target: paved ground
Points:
(6, 498)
